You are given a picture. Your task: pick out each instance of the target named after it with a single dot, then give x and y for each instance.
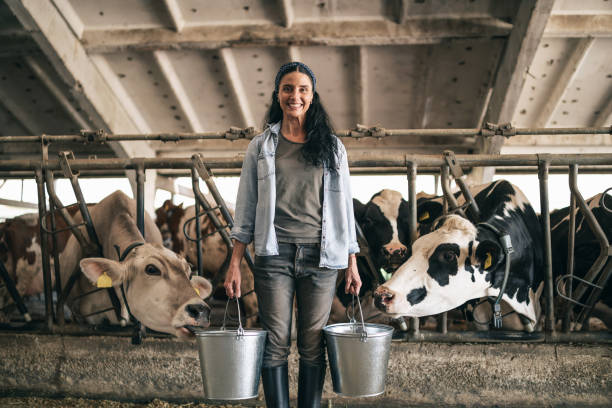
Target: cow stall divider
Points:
(410, 164)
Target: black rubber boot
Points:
(310, 385)
(276, 386)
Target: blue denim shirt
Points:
(255, 204)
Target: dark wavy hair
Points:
(320, 148)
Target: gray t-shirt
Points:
(299, 195)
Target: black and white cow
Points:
(587, 248)
(459, 261)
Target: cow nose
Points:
(394, 250)
(382, 298)
(198, 311)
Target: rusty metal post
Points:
(571, 245)
(411, 174)
(543, 168)
(140, 198)
(195, 185)
(40, 185)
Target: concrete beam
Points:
(336, 33)
(70, 16)
(124, 99)
(288, 14)
(231, 69)
(59, 95)
(361, 90)
(565, 26)
(294, 53)
(66, 54)
(165, 65)
(605, 114)
(520, 49)
(23, 116)
(174, 10)
(565, 78)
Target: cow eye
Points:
(152, 270)
(450, 256)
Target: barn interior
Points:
(398, 77)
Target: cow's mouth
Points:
(189, 330)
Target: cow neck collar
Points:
(126, 252)
(506, 244)
(139, 327)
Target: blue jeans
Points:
(295, 270)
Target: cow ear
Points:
(180, 205)
(103, 272)
(358, 209)
(488, 255)
(428, 211)
(202, 286)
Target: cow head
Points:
(384, 221)
(157, 287)
(167, 219)
(449, 266)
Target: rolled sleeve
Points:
(348, 198)
(246, 200)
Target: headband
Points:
(289, 67)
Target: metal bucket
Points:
(230, 361)
(358, 356)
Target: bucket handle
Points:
(364, 333)
(240, 331)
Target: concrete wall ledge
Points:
(420, 374)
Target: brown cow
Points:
(156, 280)
(20, 251)
(171, 220)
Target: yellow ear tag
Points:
(197, 290)
(104, 281)
(424, 216)
(488, 261)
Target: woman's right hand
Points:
(232, 277)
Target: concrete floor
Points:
(419, 374)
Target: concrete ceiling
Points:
(143, 66)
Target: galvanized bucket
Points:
(358, 356)
(230, 361)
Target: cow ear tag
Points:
(104, 281)
(197, 290)
(424, 216)
(488, 261)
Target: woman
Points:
(294, 200)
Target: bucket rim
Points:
(360, 395)
(228, 332)
(386, 329)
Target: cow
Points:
(154, 279)
(459, 261)
(171, 220)
(385, 223)
(20, 251)
(586, 250)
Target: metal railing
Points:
(412, 165)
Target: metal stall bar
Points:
(212, 188)
(40, 185)
(140, 198)
(195, 186)
(600, 262)
(545, 220)
(411, 172)
(422, 161)
(571, 244)
(215, 221)
(359, 131)
(10, 286)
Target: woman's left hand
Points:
(353, 281)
